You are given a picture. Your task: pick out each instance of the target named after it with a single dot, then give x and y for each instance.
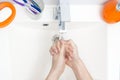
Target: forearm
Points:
(53, 75)
(80, 71)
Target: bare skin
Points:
(66, 52)
(58, 61)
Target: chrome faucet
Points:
(62, 14)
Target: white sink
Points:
(26, 43)
(30, 43)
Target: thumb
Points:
(62, 50)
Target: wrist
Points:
(53, 75)
(76, 63)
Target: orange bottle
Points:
(110, 13)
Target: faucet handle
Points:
(57, 37)
(55, 13)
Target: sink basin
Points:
(24, 53)
(30, 44)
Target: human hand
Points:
(73, 60)
(70, 50)
(58, 60)
(71, 53)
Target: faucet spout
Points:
(63, 16)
